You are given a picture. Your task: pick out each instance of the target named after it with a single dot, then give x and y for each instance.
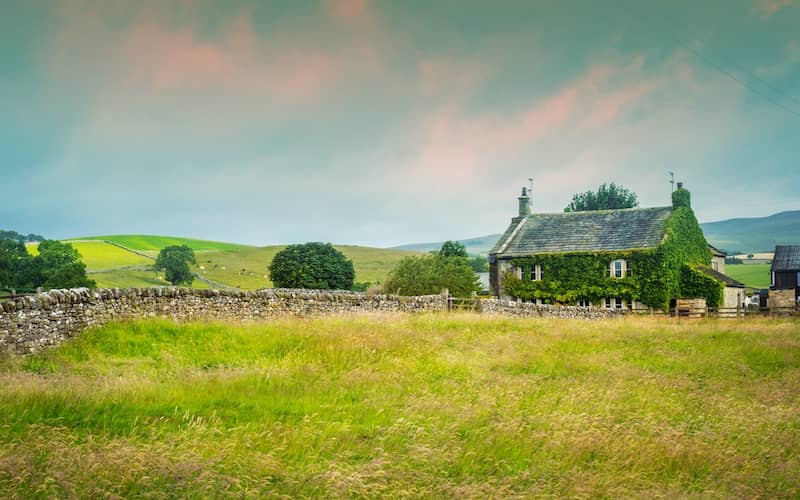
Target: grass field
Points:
(752, 275)
(422, 406)
(134, 279)
(156, 243)
(247, 267)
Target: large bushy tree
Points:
(174, 260)
(59, 265)
(448, 268)
(312, 265)
(607, 196)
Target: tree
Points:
(453, 249)
(174, 260)
(479, 264)
(429, 274)
(607, 196)
(58, 265)
(13, 259)
(313, 265)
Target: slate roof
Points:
(787, 258)
(716, 252)
(593, 231)
(722, 278)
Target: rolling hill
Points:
(744, 235)
(122, 261)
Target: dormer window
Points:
(536, 273)
(618, 268)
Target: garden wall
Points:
(30, 323)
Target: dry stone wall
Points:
(28, 324)
(502, 307)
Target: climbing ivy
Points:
(656, 274)
(696, 284)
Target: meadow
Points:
(752, 275)
(448, 405)
(232, 265)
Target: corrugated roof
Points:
(592, 231)
(787, 258)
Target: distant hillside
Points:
(757, 234)
(477, 246)
(146, 242)
(223, 264)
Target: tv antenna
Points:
(530, 186)
(672, 179)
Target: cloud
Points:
(766, 8)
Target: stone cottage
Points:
(619, 259)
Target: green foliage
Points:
(429, 274)
(13, 259)
(362, 286)
(313, 265)
(696, 284)
(174, 260)
(57, 265)
(22, 238)
(479, 264)
(655, 274)
(681, 198)
(607, 196)
(453, 249)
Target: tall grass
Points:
(429, 405)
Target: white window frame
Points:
(623, 268)
(618, 303)
(583, 303)
(536, 273)
(772, 280)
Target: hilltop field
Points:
(124, 261)
(447, 405)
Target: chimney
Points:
(524, 204)
(681, 197)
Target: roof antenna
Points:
(530, 186)
(672, 179)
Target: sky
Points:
(386, 122)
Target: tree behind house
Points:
(607, 197)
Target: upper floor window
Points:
(618, 268)
(536, 273)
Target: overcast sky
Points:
(386, 122)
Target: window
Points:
(798, 278)
(772, 281)
(618, 269)
(536, 273)
(618, 303)
(584, 303)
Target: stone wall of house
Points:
(30, 323)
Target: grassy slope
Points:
(247, 267)
(443, 406)
(156, 243)
(753, 275)
(236, 265)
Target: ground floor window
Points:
(584, 303)
(618, 303)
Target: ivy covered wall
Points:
(656, 275)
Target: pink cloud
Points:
(766, 8)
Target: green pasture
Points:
(124, 278)
(247, 267)
(752, 275)
(156, 243)
(443, 406)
